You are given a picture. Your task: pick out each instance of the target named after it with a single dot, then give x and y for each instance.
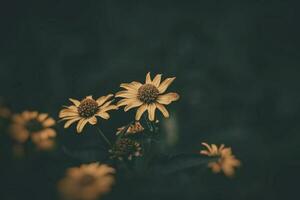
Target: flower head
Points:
(134, 128)
(87, 182)
(226, 160)
(126, 148)
(35, 126)
(147, 96)
(86, 111)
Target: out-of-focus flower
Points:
(136, 127)
(86, 111)
(87, 182)
(35, 126)
(125, 148)
(226, 161)
(4, 112)
(148, 96)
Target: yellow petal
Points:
(49, 122)
(151, 111)
(207, 146)
(163, 109)
(110, 107)
(103, 99)
(75, 102)
(165, 84)
(133, 104)
(81, 125)
(124, 102)
(93, 120)
(126, 94)
(166, 99)
(41, 117)
(156, 80)
(140, 111)
(134, 86)
(71, 121)
(148, 78)
(104, 115)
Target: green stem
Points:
(103, 136)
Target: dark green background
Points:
(237, 69)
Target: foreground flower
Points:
(148, 96)
(226, 160)
(136, 127)
(125, 148)
(87, 182)
(34, 126)
(86, 111)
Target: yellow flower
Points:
(35, 126)
(226, 160)
(86, 111)
(148, 96)
(132, 129)
(87, 182)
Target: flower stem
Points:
(103, 136)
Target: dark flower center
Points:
(148, 93)
(34, 126)
(124, 148)
(88, 108)
(86, 180)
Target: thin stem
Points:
(103, 136)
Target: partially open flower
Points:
(226, 160)
(134, 128)
(35, 126)
(86, 111)
(148, 96)
(87, 182)
(125, 148)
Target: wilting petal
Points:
(133, 104)
(167, 98)
(165, 84)
(163, 109)
(75, 102)
(151, 111)
(81, 125)
(148, 78)
(140, 111)
(103, 99)
(156, 80)
(71, 121)
(93, 120)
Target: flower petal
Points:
(148, 78)
(156, 80)
(103, 99)
(126, 94)
(166, 99)
(140, 111)
(49, 122)
(133, 105)
(163, 109)
(71, 121)
(151, 111)
(165, 84)
(131, 86)
(103, 115)
(81, 125)
(93, 120)
(75, 102)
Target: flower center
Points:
(34, 126)
(86, 180)
(88, 108)
(148, 93)
(124, 148)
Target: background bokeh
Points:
(237, 69)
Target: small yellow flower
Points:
(125, 148)
(132, 129)
(86, 111)
(87, 182)
(35, 126)
(226, 160)
(148, 96)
